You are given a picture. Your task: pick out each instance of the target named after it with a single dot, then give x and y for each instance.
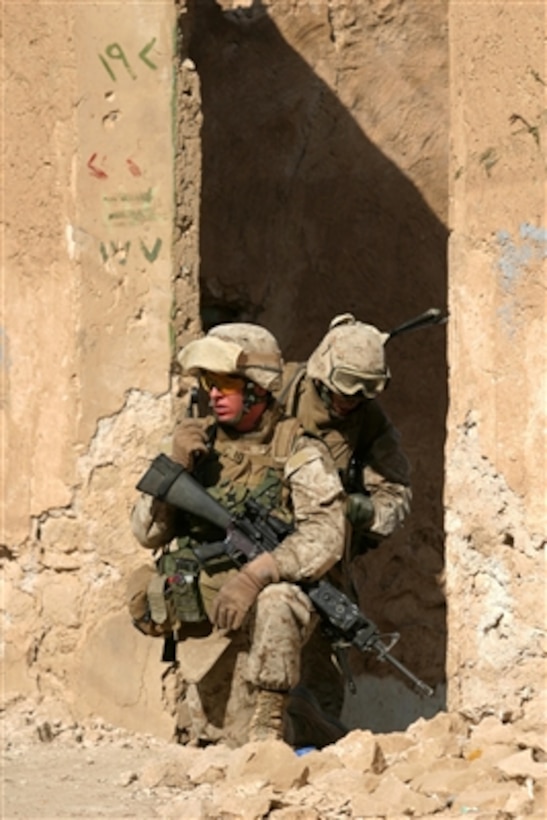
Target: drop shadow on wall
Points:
(303, 217)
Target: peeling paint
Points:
(536, 234)
(513, 257)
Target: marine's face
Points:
(344, 405)
(229, 399)
(226, 395)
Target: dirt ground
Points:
(445, 767)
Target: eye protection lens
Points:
(372, 387)
(223, 382)
(354, 385)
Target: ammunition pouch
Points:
(139, 605)
(175, 591)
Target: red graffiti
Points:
(134, 168)
(96, 172)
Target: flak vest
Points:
(236, 469)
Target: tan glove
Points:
(239, 593)
(190, 440)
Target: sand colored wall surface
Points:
(495, 456)
(172, 163)
(89, 158)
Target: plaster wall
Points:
(495, 453)
(89, 156)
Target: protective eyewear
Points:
(223, 382)
(355, 385)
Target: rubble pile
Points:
(442, 767)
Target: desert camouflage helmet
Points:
(350, 359)
(239, 348)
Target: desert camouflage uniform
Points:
(366, 433)
(306, 489)
(363, 442)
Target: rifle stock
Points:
(168, 481)
(246, 537)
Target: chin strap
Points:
(326, 397)
(250, 398)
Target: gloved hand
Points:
(190, 440)
(238, 594)
(360, 511)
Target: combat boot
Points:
(308, 724)
(267, 720)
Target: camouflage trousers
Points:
(284, 619)
(265, 653)
(278, 626)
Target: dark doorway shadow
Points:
(302, 217)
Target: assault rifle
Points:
(242, 538)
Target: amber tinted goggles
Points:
(223, 382)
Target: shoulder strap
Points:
(287, 396)
(285, 434)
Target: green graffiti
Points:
(143, 52)
(118, 252)
(115, 52)
(153, 254)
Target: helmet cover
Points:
(239, 348)
(350, 359)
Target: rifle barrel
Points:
(419, 684)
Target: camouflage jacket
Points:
(307, 490)
(365, 442)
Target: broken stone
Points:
(361, 752)
(162, 773)
(522, 765)
(243, 801)
(390, 797)
(321, 763)
(440, 725)
(477, 798)
(491, 731)
(347, 781)
(441, 778)
(394, 744)
(294, 813)
(273, 761)
(455, 779)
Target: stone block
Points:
(440, 778)
(491, 798)
(209, 765)
(295, 813)
(440, 725)
(522, 765)
(273, 761)
(242, 801)
(391, 798)
(163, 773)
(490, 731)
(453, 782)
(361, 752)
(394, 744)
(343, 782)
(320, 763)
